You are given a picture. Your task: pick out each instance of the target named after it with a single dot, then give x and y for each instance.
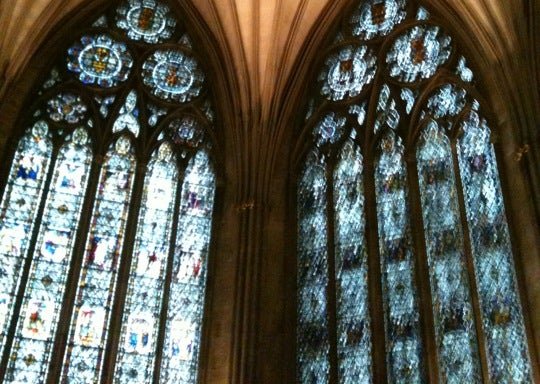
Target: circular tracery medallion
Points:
(347, 72)
(173, 75)
(418, 53)
(100, 60)
(146, 20)
(377, 18)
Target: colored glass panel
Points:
(44, 293)
(147, 20)
(100, 60)
(18, 211)
(66, 107)
(142, 309)
(129, 114)
(418, 53)
(186, 131)
(173, 75)
(376, 18)
(448, 100)
(400, 294)
(83, 360)
(508, 356)
(387, 114)
(347, 72)
(353, 320)
(450, 291)
(330, 129)
(312, 328)
(186, 299)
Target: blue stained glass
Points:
(330, 129)
(353, 320)
(66, 107)
(186, 131)
(376, 18)
(18, 214)
(147, 20)
(185, 310)
(387, 114)
(508, 356)
(400, 295)
(448, 100)
(100, 60)
(83, 360)
(173, 75)
(418, 53)
(452, 305)
(140, 321)
(128, 118)
(347, 72)
(39, 316)
(313, 364)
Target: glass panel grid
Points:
(142, 310)
(312, 329)
(186, 299)
(508, 356)
(353, 319)
(400, 294)
(97, 283)
(44, 293)
(18, 212)
(452, 302)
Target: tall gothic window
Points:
(106, 214)
(403, 244)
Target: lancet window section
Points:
(106, 215)
(393, 111)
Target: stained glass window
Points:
(312, 340)
(18, 215)
(353, 320)
(400, 175)
(400, 294)
(39, 315)
(508, 357)
(91, 315)
(106, 215)
(454, 325)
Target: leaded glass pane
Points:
(508, 356)
(129, 114)
(100, 60)
(66, 107)
(400, 294)
(186, 303)
(46, 284)
(376, 17)
(418, 53)
(450, 291)
(173, 75)
(146, 20)
(312, 324)
(18, 214)
(142, 309)
(353, 319)
(97, 282)
(347, 72)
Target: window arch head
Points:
(106, 215)
(402, 238)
